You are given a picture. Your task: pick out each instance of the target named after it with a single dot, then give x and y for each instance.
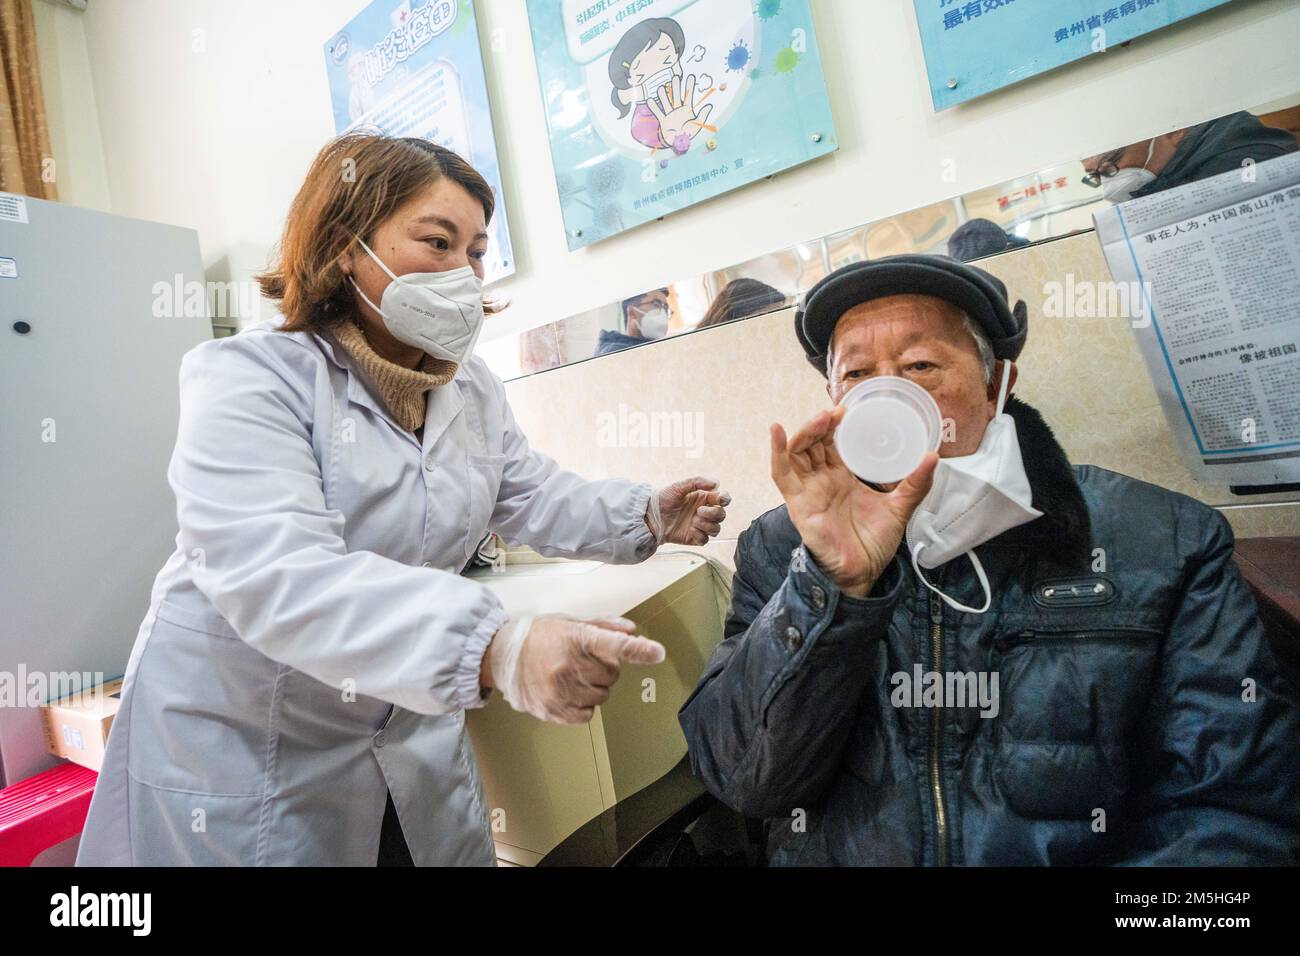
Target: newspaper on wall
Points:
(1217, 266)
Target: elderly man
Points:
(1136, 714)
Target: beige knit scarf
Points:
(402, 389)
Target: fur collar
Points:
(1063, 535)
(1064, 532)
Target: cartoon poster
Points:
(414, 68)
(655, 105)
(973, 47)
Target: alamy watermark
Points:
(22, 689)
(213, 300)
(128, 910)
(630, 428)
(921, 688)
(1087, 299)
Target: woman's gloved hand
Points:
(690, 511)
(559, 669)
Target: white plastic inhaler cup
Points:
(889, 426)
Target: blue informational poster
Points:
(414, 68)
(973, 47)
(655, 105)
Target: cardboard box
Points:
(543, 781)
(76, 727)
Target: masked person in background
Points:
(1135, 713)
(1186, 155)
(297, 692)
(645, 317)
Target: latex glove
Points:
(559, 669)
(690, 511)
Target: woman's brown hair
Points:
(741, 299)
(355, 183)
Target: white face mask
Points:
(440, 313)
(651, 87)
(1125, 182)
(974, 499)
(654, 324)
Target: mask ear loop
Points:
(365, 297)
(387, 271)
(370, 252)
(974, 560)
(979, 573)
(1151, 151)
(378, 261)
(1002, 389)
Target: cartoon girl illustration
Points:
(646, 69)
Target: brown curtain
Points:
(24, 132)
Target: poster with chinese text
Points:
(414, 68)
(973, 47)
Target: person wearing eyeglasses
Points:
(1185, 155)
(645, 319)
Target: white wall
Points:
(81, 171)
(211, 111)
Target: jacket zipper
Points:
(1003, 644)
(936, 733)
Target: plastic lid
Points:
(889, 426)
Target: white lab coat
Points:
(310, 641)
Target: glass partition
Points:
(1040, 205)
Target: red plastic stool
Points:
(43, 811)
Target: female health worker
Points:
(298, 688)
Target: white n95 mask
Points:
(974, 499)
(654, 324)
(440, 313)
(651, 87)
(1125, 182)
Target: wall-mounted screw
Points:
(817, 137)
(952, 82)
